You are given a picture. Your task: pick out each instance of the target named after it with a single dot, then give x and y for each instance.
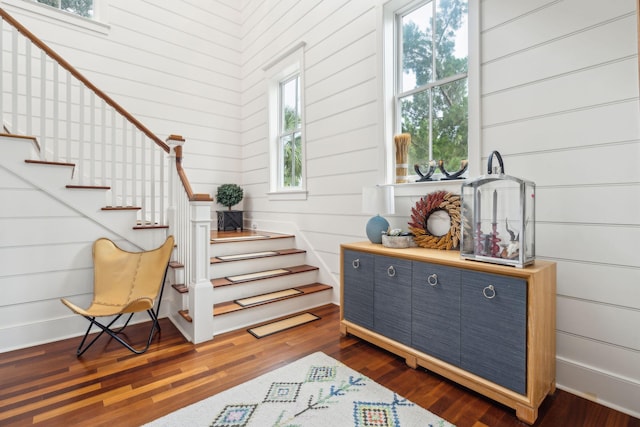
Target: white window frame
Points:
(99, 22)
(282, 68)
(389, 67)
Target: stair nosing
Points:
(88, 187)
(46, 162)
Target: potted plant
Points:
(229, 195)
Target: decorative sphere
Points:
(375, 227)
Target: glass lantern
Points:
(498, 218)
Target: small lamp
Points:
(377, 200)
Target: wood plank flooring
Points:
(48, 386)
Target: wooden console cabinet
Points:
(488, 327)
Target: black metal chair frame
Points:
(155, 327)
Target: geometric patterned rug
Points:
(315, 391)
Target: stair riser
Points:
(17, 150)
(53, 173)
(245, 318)
(52, 180)
(177, 300)
(175, 276)
(259, 287)
(185, 328)
(234, 268)
(242, 247)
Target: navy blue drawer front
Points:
(494, 328)
(358, 288)
(435, 309)
(392, 298)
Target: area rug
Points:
(315, 391)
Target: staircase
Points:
(256, 276)
(60, 181)
(99, 165)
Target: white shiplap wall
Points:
(342, 123)
(176, 67)
(559, 101)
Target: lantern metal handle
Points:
(489, 163)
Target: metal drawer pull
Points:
(356, 263)
(391, 271)
(489, 292)
(432, 279)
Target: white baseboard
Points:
(608, 389)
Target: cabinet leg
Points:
(343, 329)
(411, 361)
(526, 414)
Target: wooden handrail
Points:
(64, 64)
(193, 197)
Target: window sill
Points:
(423, 188)
(288, 195)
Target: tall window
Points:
(290, 134)
(78, 7)
(431, 80)
(285, 81)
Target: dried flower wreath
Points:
(425, 207)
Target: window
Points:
(91, 15)
(427, 53)
(78, 7)
(290, 134)
(285, 79)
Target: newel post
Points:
(200, 288)
(174, 142)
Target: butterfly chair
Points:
(124, 283)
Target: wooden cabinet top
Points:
(450, 258)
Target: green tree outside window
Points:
(433, 92)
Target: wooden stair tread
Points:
(45, 162)
(222, 237)
(88, 187)
(181, 288)
(149, 227)
(225, 281)
(233, 307)
(121, 208)
(255, 255)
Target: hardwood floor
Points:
(48, 385)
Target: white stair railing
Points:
(43, 96)
(189, 217)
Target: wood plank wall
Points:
(176, 67)
(559, 101)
